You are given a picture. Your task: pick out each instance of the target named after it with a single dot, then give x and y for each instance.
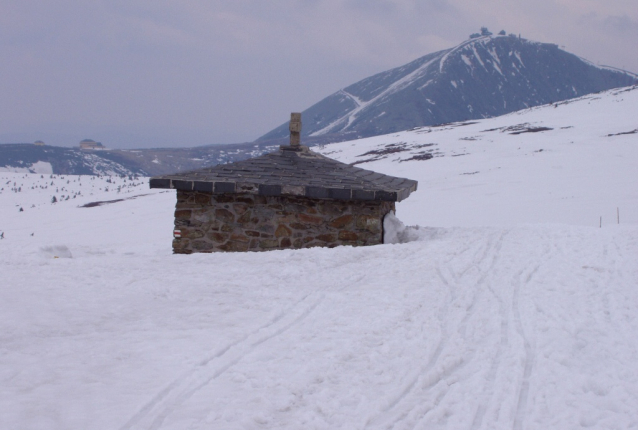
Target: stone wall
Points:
(248, 222)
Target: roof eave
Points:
(307, 191)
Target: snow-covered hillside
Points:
(507, 326)
(29, 158)
(570, 162)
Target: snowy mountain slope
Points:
(570, 162)
(481, 77)
(28, 158)
(503, 327)
(147, 161)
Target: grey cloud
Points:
(623, 26)
(438, 6)
(373, 7)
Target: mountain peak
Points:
(484, 76)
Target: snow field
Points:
(526, 327)
(66, 223)
(478, 327)
(473, 320)
(483, 175)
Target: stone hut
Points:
(290, 198)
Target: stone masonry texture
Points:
(249, 222)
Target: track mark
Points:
(152, 415)
(401, 407)
(491, 252)
(523, 392)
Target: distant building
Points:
(39, 143)
(90, 144)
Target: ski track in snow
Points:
(182, 388)
(154, 413)
(406, 410)
(495, 360)
(523, 280)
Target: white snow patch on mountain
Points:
(394, 87)
(37, 167)
(477, 56)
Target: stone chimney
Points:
(295, 130)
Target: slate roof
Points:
(291, 172)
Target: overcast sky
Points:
(142, 73)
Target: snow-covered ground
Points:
(507, 171)
(523, 319)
